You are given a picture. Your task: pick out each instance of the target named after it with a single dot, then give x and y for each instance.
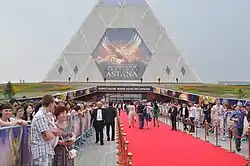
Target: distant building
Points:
(234, 82)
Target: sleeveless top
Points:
(149, 109)
(132, 108)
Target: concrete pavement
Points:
(97, 155)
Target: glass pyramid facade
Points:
(121, 40)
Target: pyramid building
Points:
(121, 40)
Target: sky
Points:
(214, 35)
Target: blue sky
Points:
(213, 34)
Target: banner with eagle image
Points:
(121, 54)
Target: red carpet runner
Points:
(163, 147)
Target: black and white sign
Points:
(124, 89)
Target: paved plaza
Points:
(97, 155)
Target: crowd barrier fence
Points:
(15, 141)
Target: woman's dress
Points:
(61, 153)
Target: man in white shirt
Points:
(217, 116)
(192, 115)
(98, 117)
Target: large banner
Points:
(121, 54)
(85, 122)
(11, 146)
(26, 152)
(197, 98)
(65, 96)
(76, 120)
(80, 123)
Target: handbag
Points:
(71, 153)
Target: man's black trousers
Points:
(112, 125)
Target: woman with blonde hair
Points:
(131, 115)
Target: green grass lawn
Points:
(39, 89)
(216, 90)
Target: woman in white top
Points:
(149, 112)
(192, 115)
(198, 115)
(131, 115)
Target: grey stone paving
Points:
(212, 140)
(97, 155)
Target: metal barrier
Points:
(15, 141)
(124, 156)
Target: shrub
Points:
(9, 91)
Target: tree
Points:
(9, 90)
(241, 94)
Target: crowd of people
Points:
(214, 115)
(193, 116)
(52, 136)
(146, 111)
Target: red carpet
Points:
(163, 147)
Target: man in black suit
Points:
(173, 116)
(110, 121)
(98, 117)
(184, 114)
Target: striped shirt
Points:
(41, 122)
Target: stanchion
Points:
(124, 135)
(248, 132)
(126, 151)
(196, 131)
(121, 153)
(206, 131)
(189, 127)
(184, 123)
(169, 121)
(120, 144)
(178, 123)
(217, 135)
(121, 124)
(118, 131)
(129, 163)
(119, 136)
(119, 127)
(123, 143)
(230, 131)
